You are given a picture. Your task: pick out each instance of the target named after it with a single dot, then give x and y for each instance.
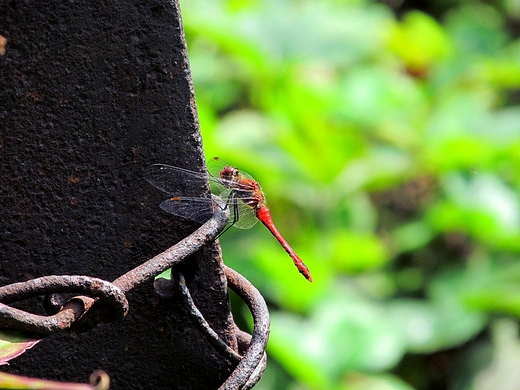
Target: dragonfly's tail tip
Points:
(307, 276)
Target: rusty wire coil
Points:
(106, 292)
(105, 301)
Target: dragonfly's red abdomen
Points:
(264, 215)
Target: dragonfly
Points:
(238, 191)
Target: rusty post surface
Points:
(90, 94)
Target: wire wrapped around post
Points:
(251, 366)
(249, 371)
(203, 325)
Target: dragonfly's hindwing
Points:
(189, 208)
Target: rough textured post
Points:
(90, 93)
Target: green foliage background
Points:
(389, 149)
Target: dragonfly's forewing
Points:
(176, 181)
(215, 165)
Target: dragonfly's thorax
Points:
(243, 188)
(250, 192)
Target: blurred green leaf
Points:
(480, 205)
(345, 333)
(505, 357)
(477, 29)
(411, 236)
(431, 327)
(358, 381)
(354, 252)
(419, 41)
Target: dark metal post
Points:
(91, 92)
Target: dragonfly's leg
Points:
(223, 231)
(235, 212)
(231, 200)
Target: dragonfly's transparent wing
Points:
(241, 215)
(215, 165)
(247, 216)
(179, 181)
(175, 180)
(193, 209)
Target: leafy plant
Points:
(389, 150)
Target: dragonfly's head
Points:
(229, 173)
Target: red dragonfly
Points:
(238, 190)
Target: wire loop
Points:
(104, 291)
